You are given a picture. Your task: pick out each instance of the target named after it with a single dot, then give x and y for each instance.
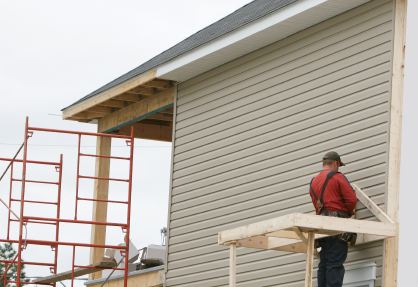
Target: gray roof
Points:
(246, 14)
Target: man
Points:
(332, 195)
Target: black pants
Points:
(332, 256)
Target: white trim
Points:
(266, 30)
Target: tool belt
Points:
(348, 237)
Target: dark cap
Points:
(332, 155)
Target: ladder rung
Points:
(102, 200)
(103, 178)
(104, 156)
(35, 221)
(36, 181)
(35, 201)
(26, 218)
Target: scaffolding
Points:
(22, 220)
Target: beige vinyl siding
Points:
(249, 136)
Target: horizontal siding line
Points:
(357, 127)
(215, 153)
(340, 28)
(176, 236)
(271, 173)
(317, 71)
(189, 278)
(189, 188)
(310, 126)
(273, 198)
(291, 202)
(243, 200)
(276, 161)
(283, 71)
(213, 249)
(381, 137)
(309, 170)
(210, 248)
(289, 261)
(184, 145)
(292, 151)
(343, 126)
(261, 257)
(286, 103)
(247, 155)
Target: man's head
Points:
(331, 160)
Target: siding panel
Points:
(249, 135)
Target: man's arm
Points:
(347, 192)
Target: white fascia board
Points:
(269, 29)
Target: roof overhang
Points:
(257, 34)
(267, 30)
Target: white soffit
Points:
(269, 29)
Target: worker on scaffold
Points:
(332, 195)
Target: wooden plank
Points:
(138, 110)
(109, 94)
(150, 132)
(144, 90)
(159, 83)
(101, 190)
(309, 260)
(307, 223)
(330, 225)
(129, 98)
(114, 104)
(104, 264)
(371, 205)
(232, 265)
(390, 254)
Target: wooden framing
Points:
(390, 258)
(141, 98)
(101, 189)
(297, 232)
(137, 111)
(108, 94)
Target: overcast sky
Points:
(54, 52)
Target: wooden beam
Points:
(143, 90)
(308, 223)
(114, 104)
(67, 275)
(138, 110)
(109, 94)
(371, 205)
(309, 260)
(150, 132)
(161, 117)
(129, 98)
(390, 257)
(101, 190)
(159, 83)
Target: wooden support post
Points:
(101, 189)
(390, 258)
(309, 260)
(232, 265)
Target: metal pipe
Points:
(78, 133)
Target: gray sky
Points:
(54, 52)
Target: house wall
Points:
(249, 135)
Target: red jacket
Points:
(338, 195)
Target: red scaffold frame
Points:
(23, 220)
